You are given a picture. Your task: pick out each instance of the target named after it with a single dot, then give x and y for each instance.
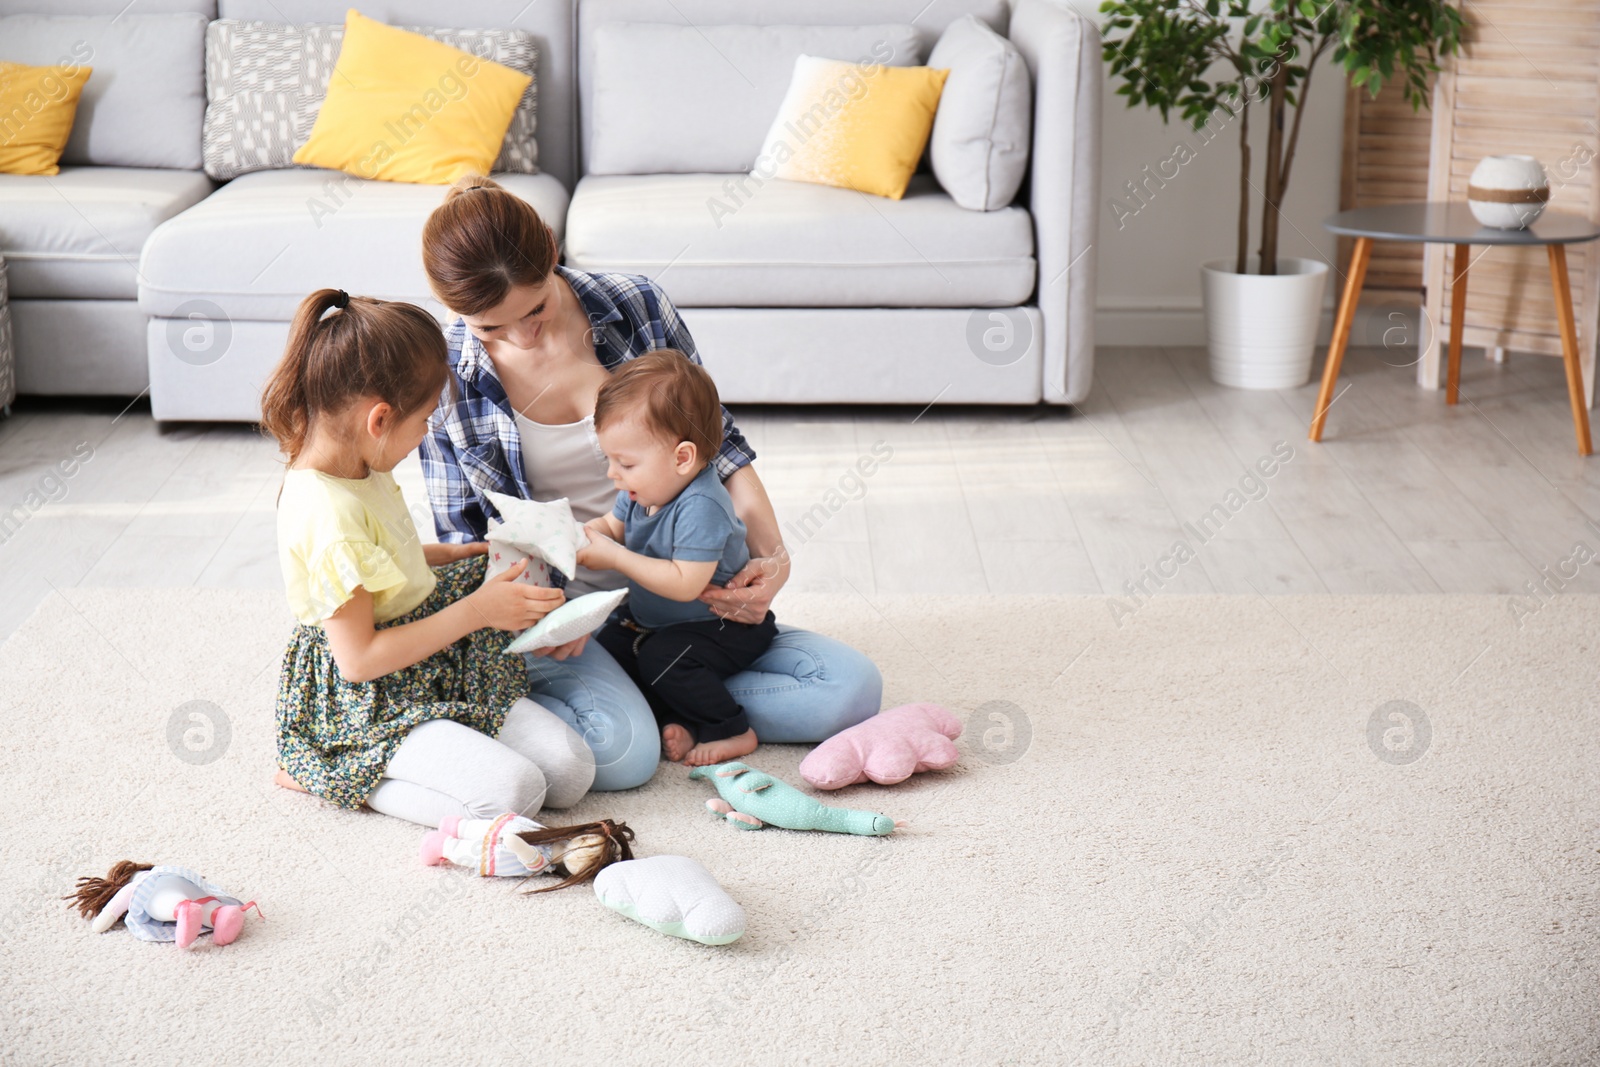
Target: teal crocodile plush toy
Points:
(751, 799)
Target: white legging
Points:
(445, 768)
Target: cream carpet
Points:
(1185, 839)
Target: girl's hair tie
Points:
(342, 301)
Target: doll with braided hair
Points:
(159, 904)
(511, 845)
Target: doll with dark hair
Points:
(512, 845)
(160, 904)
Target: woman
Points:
(532, 343)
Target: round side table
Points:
(1453, 223)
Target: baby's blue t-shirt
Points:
(699, 525)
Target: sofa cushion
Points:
(729, 240)
(402, 107)
(265, 240)
(981, 133)
(929, 20)
(78, 234)
(266, 81)
(37, 106)
(144, 104)
(551, 25)
(680, 99)
(854, 126)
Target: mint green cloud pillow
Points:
(674, 895)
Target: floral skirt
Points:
(335, 737)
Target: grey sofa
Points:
(127, 276)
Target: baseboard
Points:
(1135, 327)
(1386, 322)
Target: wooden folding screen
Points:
(1527, 82)
(1385, 162)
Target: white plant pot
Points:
(1261, 330)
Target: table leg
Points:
(1458, 315)
(1341, 332)
(1569, 346)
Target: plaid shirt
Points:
(473, 445)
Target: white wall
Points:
(1149, 284)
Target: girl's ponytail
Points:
(344, 347)
(285, 413)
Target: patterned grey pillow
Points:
(265, 83)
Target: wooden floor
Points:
(1403, 495)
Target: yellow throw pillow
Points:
(853, 125)
(37, 105)
(402, 108)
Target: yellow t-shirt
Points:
(335, 534)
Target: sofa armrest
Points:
(1062, 50)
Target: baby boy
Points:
(659, 422)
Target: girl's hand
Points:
(507, 604)
(440, 554)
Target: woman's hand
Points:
(440, 554)
(748, 595)
(560, 652)
(507, 604)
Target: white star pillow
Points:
(540, 531)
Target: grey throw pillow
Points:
(266, 81)
(143, 104)
(981, 133)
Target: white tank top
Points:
(566, 461)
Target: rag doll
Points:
(160, 904)
(513, 846)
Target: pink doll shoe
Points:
(228, 920)
(433, 846)
(187, 916)
(451, 826)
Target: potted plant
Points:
(1212, 60)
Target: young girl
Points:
(394, 691)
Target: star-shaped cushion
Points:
(888, 748)
(541, 531)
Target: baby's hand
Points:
(601, 551)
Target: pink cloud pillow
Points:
(888, 748)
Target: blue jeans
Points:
(805, 688)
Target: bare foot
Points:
(709, 752)
(676, 742)
(282, 778)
